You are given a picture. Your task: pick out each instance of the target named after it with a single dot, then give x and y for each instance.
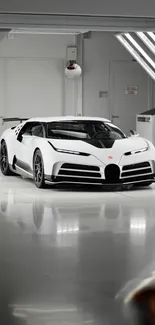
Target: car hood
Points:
(115, 153)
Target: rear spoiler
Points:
(13, 119)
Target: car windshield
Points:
(101, 134)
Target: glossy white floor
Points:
(73, 247)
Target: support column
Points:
(73, 99)
(79, 82)
(69, 94)
(150, 93)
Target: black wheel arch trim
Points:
(23, 165)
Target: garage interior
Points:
(67, 254)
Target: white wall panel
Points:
(34, 87)
(101, 49)
(32, 75)
(2, 87)
(153, 94)
(36, 46)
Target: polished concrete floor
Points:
(65, 255)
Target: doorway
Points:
(129, 93)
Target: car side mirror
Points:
(20, 138)
(133, 133)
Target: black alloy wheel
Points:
(38, 170)
(4, 162)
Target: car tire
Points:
(143, 184)
(4, 161)
(38, 169)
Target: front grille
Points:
(88, 174)
(136, 166)
(112, 173)
(78, 180)
(78, 173)
(137, 179)
(131, 180)
(137, 172)
(82, 167)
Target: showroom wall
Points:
(32, 74)
(153, 95)
(100, 51)
(32, 81)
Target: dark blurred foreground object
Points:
(142, 303)
(6, 313)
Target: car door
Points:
(25, 145)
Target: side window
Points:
(31, 129)
(26, 130)
(37, 130)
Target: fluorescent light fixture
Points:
(137, 57)
(44, 31)
(146, 41)
(139, 48)
(152, 35)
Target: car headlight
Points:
(71, 152)
(136, 151)
(139, 151)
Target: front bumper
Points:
(112, 174)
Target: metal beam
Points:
(117, 8)
(114, 24)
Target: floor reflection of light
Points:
(67, 234)
(138, 226)
(67, 228)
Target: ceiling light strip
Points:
(42, 31)
(146, 41)
(152, 35)
(139, 48)
(136, 56)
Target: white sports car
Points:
(76, 150)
